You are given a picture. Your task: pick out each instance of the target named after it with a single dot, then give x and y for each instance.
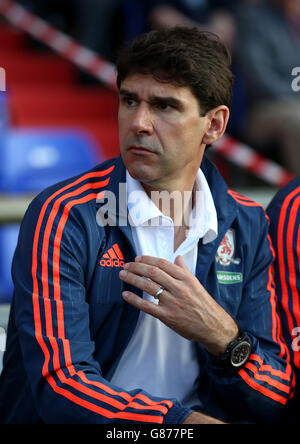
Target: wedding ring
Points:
(159, 292)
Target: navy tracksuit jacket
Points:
(284, 213)
(69, 323)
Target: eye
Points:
(129, 101)
(163, 106)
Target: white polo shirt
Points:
(157, 359)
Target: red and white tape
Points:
(60, 42)
(246, 158)
(91, 62)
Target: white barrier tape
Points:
(92, 63)
(61, 43)
(245, 157)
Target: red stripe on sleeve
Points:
(260, 388)
(290, 296)
(255, 377)
(281, 258)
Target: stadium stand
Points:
(44, 91)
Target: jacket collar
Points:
(225, 205)
(227, 211)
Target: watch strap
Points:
(226, 358)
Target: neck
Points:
(176, 203)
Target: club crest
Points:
(226, 250)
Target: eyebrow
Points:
(169, 100)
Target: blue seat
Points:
(8, 242)
(30, 161)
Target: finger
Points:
(141, 304)
(154, 273)
(168, 267)
(192, 279)
(140, 282)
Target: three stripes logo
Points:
(113, 258)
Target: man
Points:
(188, 327)
(216, 16)
(284, 213)
(268, 40)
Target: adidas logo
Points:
(113, 258)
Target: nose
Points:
(142, 122)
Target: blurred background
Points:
(58, 103)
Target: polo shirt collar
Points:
(203, 219)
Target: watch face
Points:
(240, 354)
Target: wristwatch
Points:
(237, 353)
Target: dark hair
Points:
(182, 56)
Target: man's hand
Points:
(200, 418)
(184, 306)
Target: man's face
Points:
(160, 132)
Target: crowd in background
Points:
(262, 35)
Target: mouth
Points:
(139, 150)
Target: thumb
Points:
(180, 262)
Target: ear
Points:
(217, 119)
